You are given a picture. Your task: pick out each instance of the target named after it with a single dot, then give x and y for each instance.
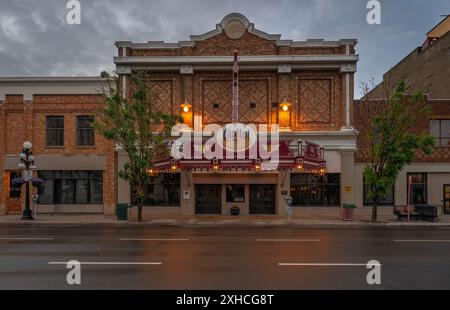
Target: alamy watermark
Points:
(73, 16)
(374, 15)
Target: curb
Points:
(218, 224)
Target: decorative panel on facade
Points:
(253, 101)
(315, 101)
(216, 99)
(163, 92)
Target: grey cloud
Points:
(35, 40)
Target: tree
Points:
(389, 140)
(136, 126)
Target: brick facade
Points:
(26, 121)
(440, 109)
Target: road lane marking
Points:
(160, 239)
(288, 240)
(423, 240)
(324, 264)
(107, 263)
(24, 239)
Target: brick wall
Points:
(23, 121)
(317, 97)
(440, 110)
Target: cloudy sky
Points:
(35, 39)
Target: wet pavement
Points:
(196, 257)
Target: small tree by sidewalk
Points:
(136, 127)
(388, 140)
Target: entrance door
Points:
(262, 199)
(208, 199)
(446, 199)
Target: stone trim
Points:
(250, 27)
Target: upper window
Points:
(85, 132)
(418, 188)
(55, 130)
(235, 193)
(440, 129)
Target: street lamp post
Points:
(27, 166)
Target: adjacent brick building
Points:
(78, 166)
(427, 68)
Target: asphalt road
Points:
(115, 257)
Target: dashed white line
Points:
(25, 239)
(324, 264)
(108, 263)
(421, 240)
(157, 239)
(288, 240)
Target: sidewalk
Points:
(214, 221)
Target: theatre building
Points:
(306, 87)
(77, 165)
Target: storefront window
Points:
(235, 193)
(418, 188)
(71, 187)
(161, 190)
(387, 200)
(311, 190)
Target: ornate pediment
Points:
(234, 26)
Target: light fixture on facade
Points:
(186, 107)
(151, 172)
(300, 167)
(215, 166)
(285, 105)
(258, 165)
(174, 168)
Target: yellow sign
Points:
(348, 189)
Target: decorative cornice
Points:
(226, 60)
(250, 27)
(30, 86)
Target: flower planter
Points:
(18, 182)
(347, 212)
(36, 182)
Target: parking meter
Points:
(35, 199)
(289, 207)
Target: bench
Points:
(428, 213)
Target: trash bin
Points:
(122, 212)
(347, 212)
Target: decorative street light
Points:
(27, 166)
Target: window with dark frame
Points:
(387, 200)
(71, 187)
(14, 191)
(419, 193)
(235, 193)
(162, 190)
(312, 190)
(55, 130)
(85, 131)
(440, 129)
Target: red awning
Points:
(307, 157)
